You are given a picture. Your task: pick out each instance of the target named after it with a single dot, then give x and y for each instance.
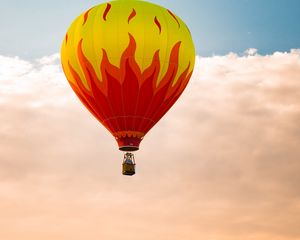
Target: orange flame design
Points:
(127, 101)
(132, 15)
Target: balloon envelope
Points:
(128, 62)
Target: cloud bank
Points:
(223, 164)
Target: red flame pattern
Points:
(86, 14)
(174, 17)
(106, 11)
(127, 101)
(157, 24)
(132, 15)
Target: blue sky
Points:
(32, 28)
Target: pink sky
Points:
(223, 164)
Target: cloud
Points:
(251, 51)
(222, 164)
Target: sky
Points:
(223, 164)
(33, 29)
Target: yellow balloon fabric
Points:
(128, 61)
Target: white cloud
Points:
(251, 51)
(48, 60)
(223, 163)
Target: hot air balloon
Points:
(128, 61)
